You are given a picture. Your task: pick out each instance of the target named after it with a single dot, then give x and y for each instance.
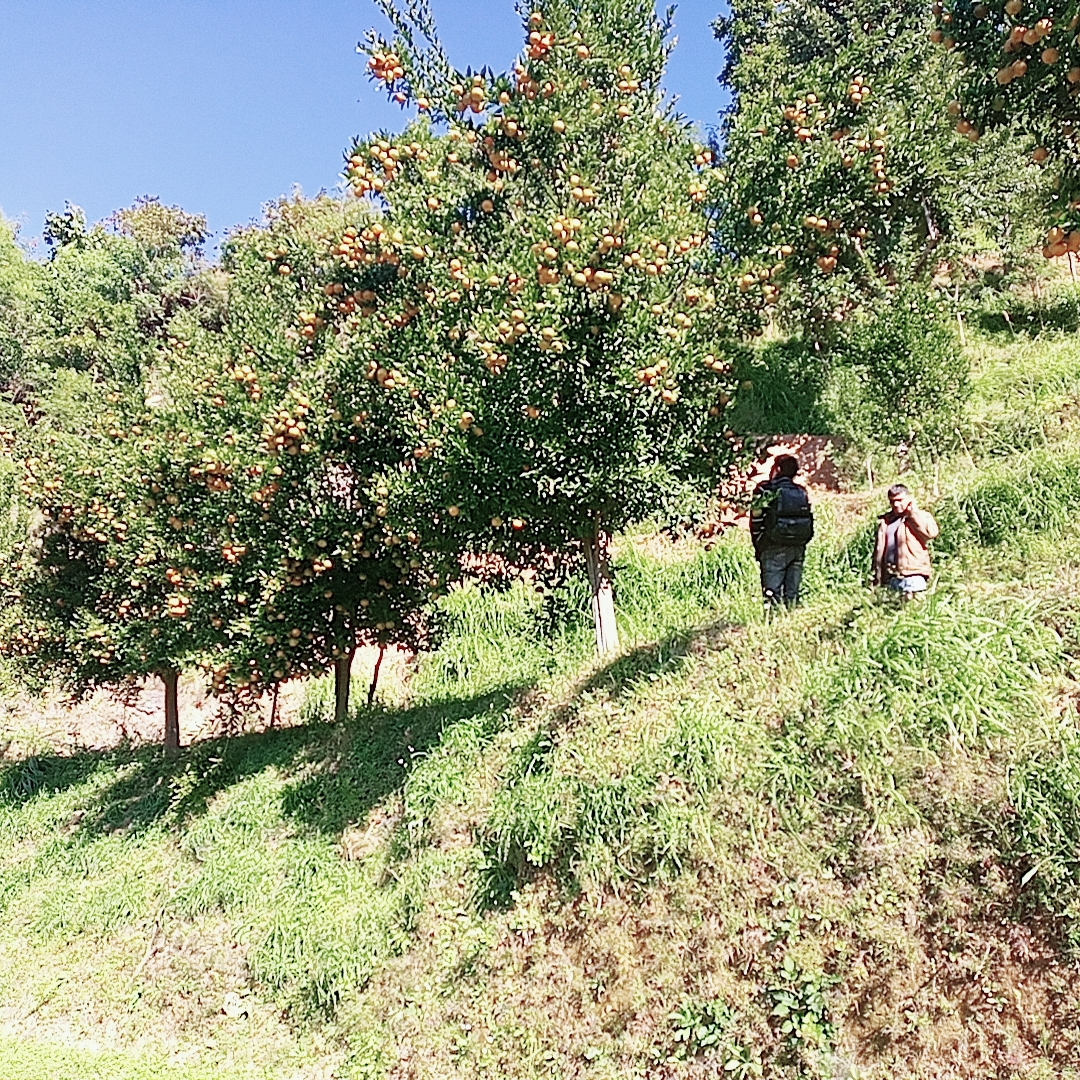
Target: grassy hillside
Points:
(840, 842)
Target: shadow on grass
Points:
(1031, 319)
(506, 864)
(346, 768)
(339, 772)
(371, 758)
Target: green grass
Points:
(527, 864)
(37, 1061)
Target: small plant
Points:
(799, 1007)
(712, 1027)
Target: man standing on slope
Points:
(781, 525)
(902, 551)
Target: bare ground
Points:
(134, 716)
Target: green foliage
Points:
(915, 375)
(895, 377)
(713, 1027)
(112, 583)
(109, 292)
(799, 1008)
(19, 283)
(844, 176)
(551, 298)
(1014, 501)
(64, 228)
(1043, 836)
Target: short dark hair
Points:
(898, 489)
(786, 465)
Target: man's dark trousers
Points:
(781, 573)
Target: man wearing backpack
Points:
(781, 525)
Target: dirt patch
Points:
(190, 973)
(817, 461)
(931, 977)
(134, 716)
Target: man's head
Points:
(785, 465)
(900, 499)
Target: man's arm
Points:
(878, 569)
(757, 514)
(922, 524)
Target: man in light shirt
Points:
(902, 551)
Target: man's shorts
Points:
(913, 583)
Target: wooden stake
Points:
(375, 676)
(171, 678)
(273, 706)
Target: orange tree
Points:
(111, 583)
(116, 581)
(845, 177)
(221, 511)
(538, 285)
(1022, 69)
(329, 559)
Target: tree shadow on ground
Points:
(370, 759)
(340, 771)
(146, 789)
(1032, 318)
(507, 867)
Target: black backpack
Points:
(788, 519)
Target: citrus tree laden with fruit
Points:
(110, 584)
(329, 558)
(1022, 69)
(537, 284)
(209, 505)
(117, 581)
(845, 177)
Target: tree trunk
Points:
(342, 679)
(273, 706)
(171, 677)
(375, 677)
(603, 594)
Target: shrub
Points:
(915, 376)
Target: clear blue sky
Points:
(222, 105)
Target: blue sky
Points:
(222, 105)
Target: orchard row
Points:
(519, 334)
